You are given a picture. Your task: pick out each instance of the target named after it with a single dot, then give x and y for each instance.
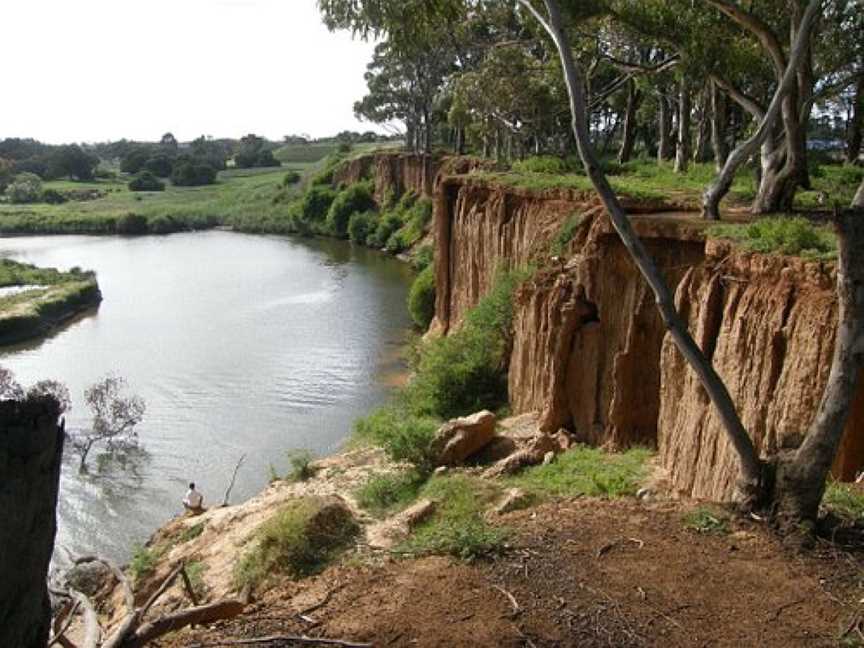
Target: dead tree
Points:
(31, 450)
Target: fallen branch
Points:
(161, 589)
(218, 611)
(132, 614)
(187, 584)
(233, 479)
(511, 598)
(92, 629)
(60, 630)
(294, 638)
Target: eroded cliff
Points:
(590, 352)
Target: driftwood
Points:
(132, 632)
(233, 479)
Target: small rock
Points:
(440, 470)
(533, 454)
(417, 513)
(548, 458)
(644, 494)
(460, 438)
(514, 500)
(90, 578)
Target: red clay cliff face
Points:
(590, 352)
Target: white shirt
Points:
(193, 499)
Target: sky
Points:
(99, 70)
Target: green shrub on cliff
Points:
(361, 226)
(421, 298)
(316, 203)
(383, 494)
(354, 199)
(541, 164)
(794, 236)
(403, 435)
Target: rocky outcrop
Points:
(458, 439)
(589, 351)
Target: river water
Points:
(239, 344)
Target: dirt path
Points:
(578, 573)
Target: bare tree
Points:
(115, 415)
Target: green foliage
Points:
(316, 203)
(844, 500)
(706, 520)
(146, 181)
(361, 226)
(423, 258)
(131, 224)
(290, 178)
(382, 494)
(388, 224)
(421, 298)
(354, 199)
(541, 164)
(457, 527)
(404, 436)
(784, 235)
(300, 462)
(191, 174)
(297, 540)
(53, 197)
(585, 471)
(565, 235)
(191, 533)
(195, 571)
(466, 371)
(24, 188)
(144, 561)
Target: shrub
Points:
(382, 494)
(316, 203)
(387, 226)
(705, 520)
(541, 164)
(423, 258)
(298, 540)
(565, 235)
(290, 178)
(300, 462)
(361, 225)
(143, 561)
(159, 165)
(53, 197)
(24, 188)
(131, 224)
(403, 435)
(785, 235)
(163, 224)
(146, 181)
(421, 298)
(353, 200)
(190, 174)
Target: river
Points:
(239, 344)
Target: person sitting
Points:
(194, 500)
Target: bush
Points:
(163, 224)
(423, 258)
(353, 200)
(190, 174)
(301, 466)
(382, 494)
(146, 181)
(796, 236)
(290, 178)
(316, 203)
(541, 164)
(159, 165)
(402, 435)
(387, 226)
(53, 197)
(361, 225)
(131, 224)
(298, 540)
(421, 298)
(25, 188)
(565, 235)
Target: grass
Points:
(300, 466)
(298, 540)
(844, 500)
(144, 560)
(404, 436)
(304, 153)
(794, 236)
(585, 471)
(565, 235)
(195, 571)
(457, 527)
(191, 533)
(706, 520)
(386, 493)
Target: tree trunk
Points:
(800, 480)
(703, 130)
(628, 137)
(31, 450)
(750, 485)
(718, 127)
(858, 200)
(682, 150)
(664, 130)
(762, 137)
(856, 124)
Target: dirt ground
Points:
(576, 573)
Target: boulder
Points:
(393, 530)
(514, 499)
(460, 438)
(532, 454)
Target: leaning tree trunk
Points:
(31, 450)
(664, 130)
(779, 183)
(628, 137)
(718, 127)
(682, 150)
(856, 124)
(761, 138)
(750, 484)
(801, 476)
(858, 200)
(703, 132)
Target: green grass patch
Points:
(706, 520)
(781, 234)
(457, 527)
(195, 571)
(383, 494)
(844, 500)
(191, 533)
(144, 560)
(300, 467)
(421, 298)
(298, 540)
(403, 435)
(586, 471)
(565, 235)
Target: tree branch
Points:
(758, 28)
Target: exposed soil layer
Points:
(580, 573)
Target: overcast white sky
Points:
(96, 70)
